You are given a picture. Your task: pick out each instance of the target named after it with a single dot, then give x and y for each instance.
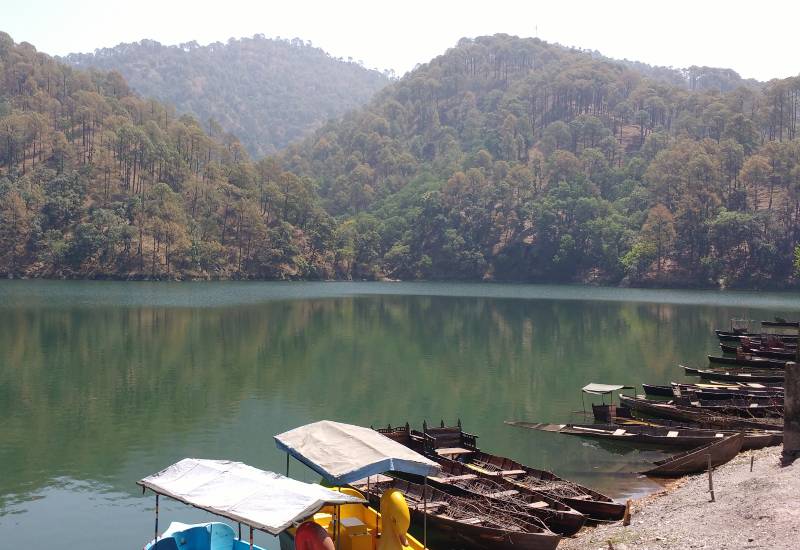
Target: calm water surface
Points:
(104, 383)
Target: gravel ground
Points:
(752, 510)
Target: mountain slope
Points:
(509, 158)
(96, 181)
(266, 92)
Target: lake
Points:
(103, 383)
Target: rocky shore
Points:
(758, 509)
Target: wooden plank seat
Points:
(501, 494)
(463, 477)
(450, 451)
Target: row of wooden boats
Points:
(472, 479)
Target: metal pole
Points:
(251, 537)
(287, 464)
(425, 514)
(155, 536)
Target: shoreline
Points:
(751, 510)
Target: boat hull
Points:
(698, 460)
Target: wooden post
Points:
(791, 413)
(710, 480)
(626, 517)
(752, 459)
(425, 514)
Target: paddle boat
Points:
(257, 499)
(344, 454)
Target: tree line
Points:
(502, 159)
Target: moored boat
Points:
(455, 444)
(661, 409)
(657, 390)
(735, 336)
(475, 522)
(698, 460)
(659, 436)
(455, 478)
(748, 361)
(771, 353)
(736, 375)
(260, 500)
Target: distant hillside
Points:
(267, 92)
(505, 158)
(510, 158)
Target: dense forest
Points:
(268, 92)
(503, 159)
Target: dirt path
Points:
(752, 510)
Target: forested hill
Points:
(503, 159)
(268, 92)
(513, 159)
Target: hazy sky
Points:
(757, 39)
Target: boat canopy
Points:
(604, 389)
(344, 453)
(260, 499)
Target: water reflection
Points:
(102, 395)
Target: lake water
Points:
(104, 383)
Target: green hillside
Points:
(268, 92)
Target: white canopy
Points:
(263, 500)
(344, 453)
(602, 389)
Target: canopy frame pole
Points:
(251, 537)
(425, 514)
(240, 531)
(155, 530)
(583, 402)
(287, 464)
(338, 524)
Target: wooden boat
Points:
(780, 323)
(748, 361)
(661, 409)
(747, 407)
(757, 336)
(697, 460)
(736, 375)
(722, 394)
(454, 443)
(642, 434)
(771, 353)
(661, 391)
(472, 521)
(455, 478)
(771, 436)
(732, 390)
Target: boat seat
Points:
(501, 494)
(353, 526)
(540, 504)
(619, 431)
(672, 433)
(510, 472)
(471, 521)
(432, 506)
(450, 451)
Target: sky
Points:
(757, 39)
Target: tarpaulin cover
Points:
(601, 389)
(343, 453)
(263, 500)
